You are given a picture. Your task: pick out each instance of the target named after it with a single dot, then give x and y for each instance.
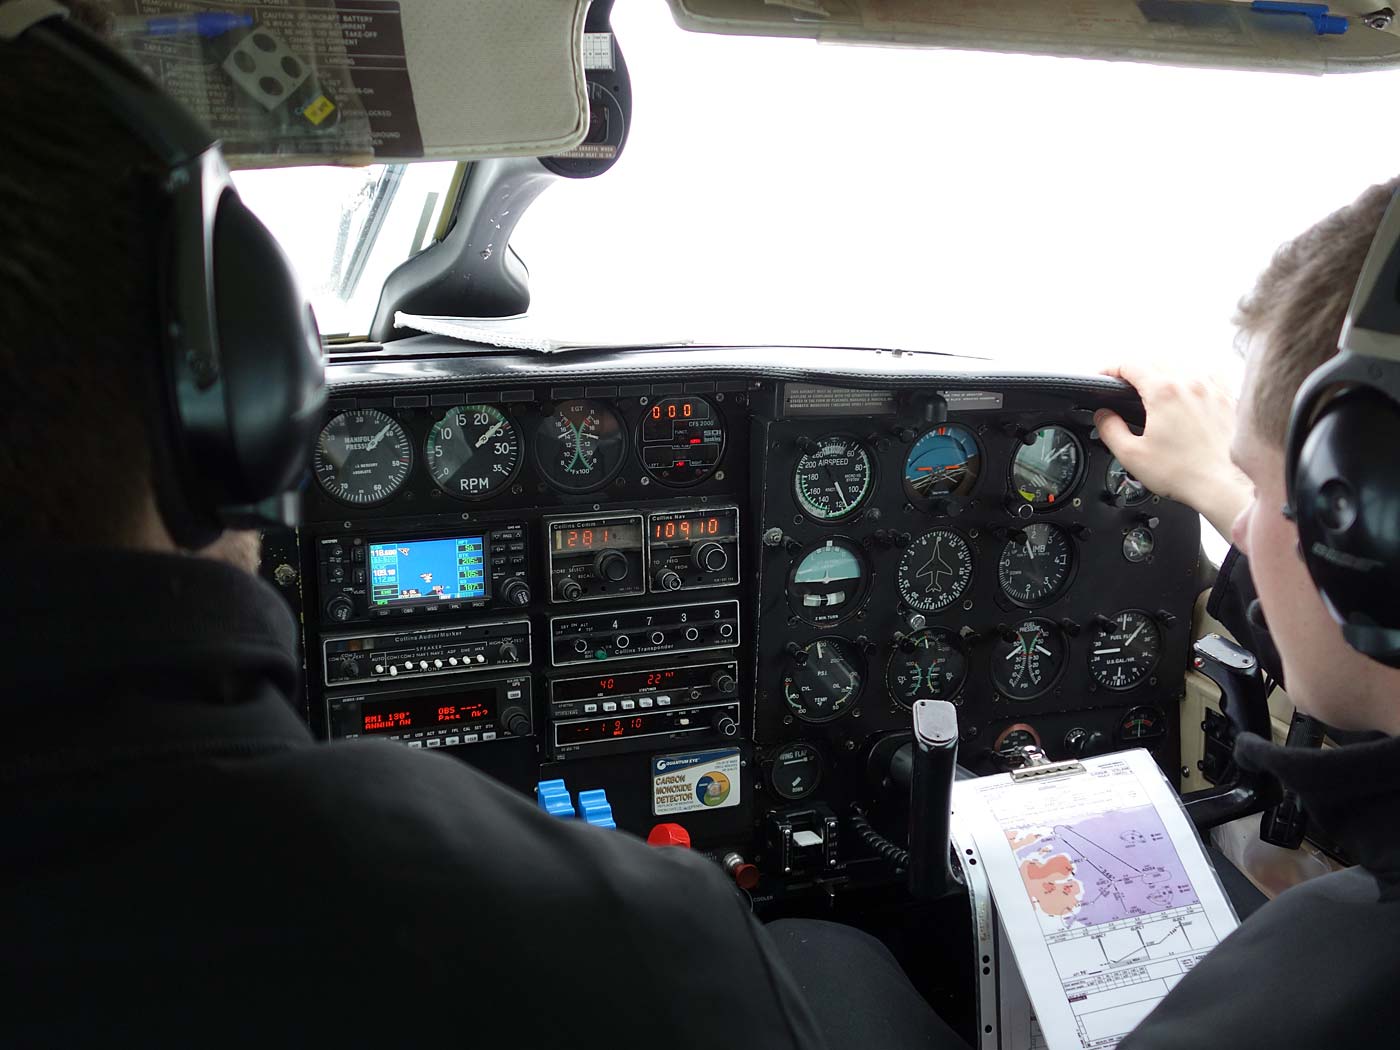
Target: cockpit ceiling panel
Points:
(1218, 34)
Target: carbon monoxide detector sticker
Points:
(695, 782)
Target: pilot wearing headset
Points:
(180, 861)
(1308, 489)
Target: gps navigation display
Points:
(414, 572)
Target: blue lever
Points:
(1326, 23)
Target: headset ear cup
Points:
(1347, 510)
(270, 358)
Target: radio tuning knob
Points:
(723, 682)
(515, 721)
(710, 557)
(514, 591)
(569, 589)
(726, 726)
(610, 565)
(340, 609)
(668, 580)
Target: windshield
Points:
(1056, 212)
(345, 229)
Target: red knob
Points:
(668, 835)
(745, 875)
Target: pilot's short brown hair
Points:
(1294, 314)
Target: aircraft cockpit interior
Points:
(873, 624)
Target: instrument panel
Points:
(717, 598)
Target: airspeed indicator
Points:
(832, 478)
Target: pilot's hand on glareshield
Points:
(1183, 451)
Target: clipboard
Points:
(1091, 895)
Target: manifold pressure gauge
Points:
(362, 457)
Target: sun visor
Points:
(360, 81)
(1284, 37)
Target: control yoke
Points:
(935, 760)
(1245, 704)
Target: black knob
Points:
(1082, 531)
(610, 565)
(668, 580)
(1075, 740)
(1007, 634)
(726, 726)
(798, 654)
(569, 589)
(1070, 627)
(508, 653)
(906, 434)
(340, 609)
(806, 444)
(1150, 520)
(723, 682)
(905, 643)
(1165, 618)
(516, 721)
(710, 557)
(514, 591)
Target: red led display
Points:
(688, 528)
(426, 712)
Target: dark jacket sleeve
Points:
(1230, 601)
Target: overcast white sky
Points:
(1053, 210)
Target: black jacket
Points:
(1318, 968)
(182, 862)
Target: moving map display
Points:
(413, 572)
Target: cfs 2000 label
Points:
(694, 782)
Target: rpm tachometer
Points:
(473, 451)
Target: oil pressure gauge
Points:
(824, 679)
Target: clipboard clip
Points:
(1032, 764)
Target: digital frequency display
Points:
(627, 684)
(566, 733)
(426, 712)
(683, 530)
(627, 536)
(408, 572)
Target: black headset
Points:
(1343, 459)
(240, 380)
